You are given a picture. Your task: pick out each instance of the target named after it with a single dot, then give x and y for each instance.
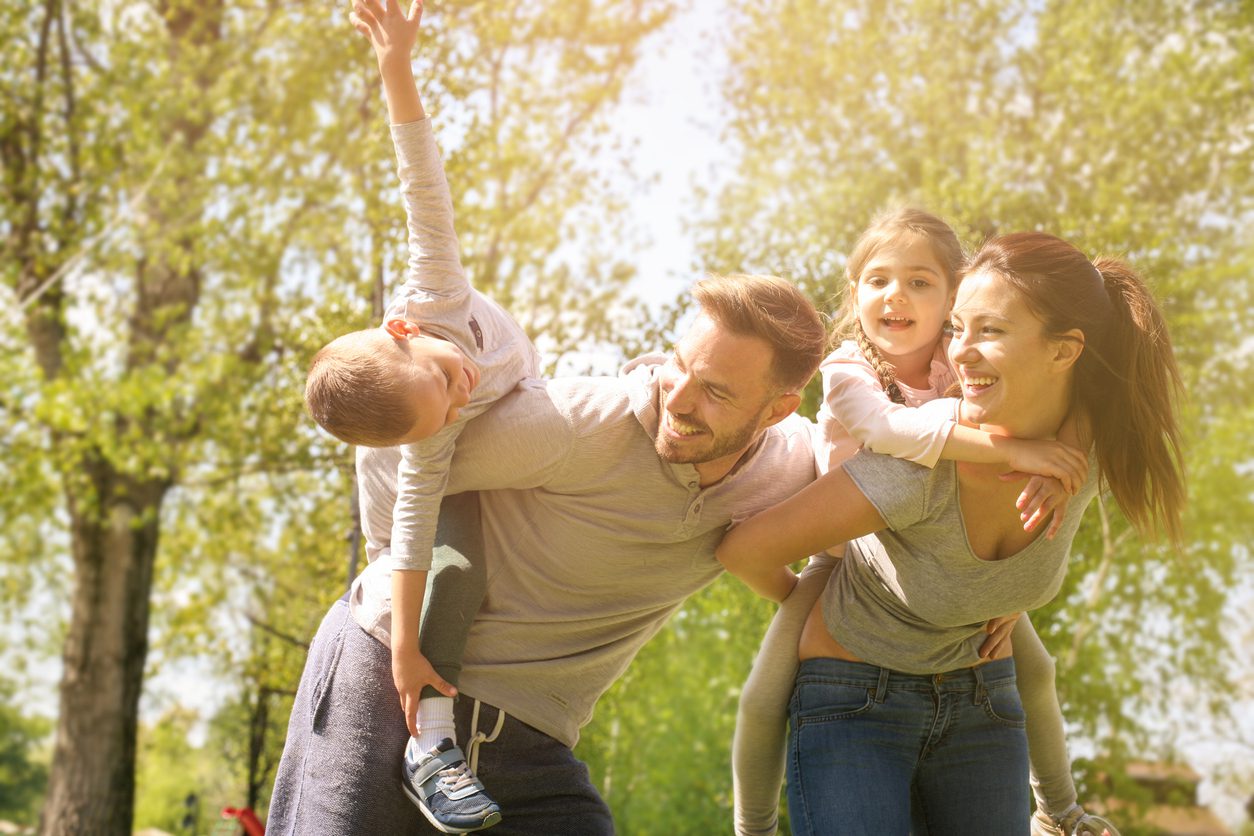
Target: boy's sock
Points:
(435, 718)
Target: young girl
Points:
(902, 278)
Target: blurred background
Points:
(195, 195)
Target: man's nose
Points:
(680, 397)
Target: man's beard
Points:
(715, 446)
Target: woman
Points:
(894, 721)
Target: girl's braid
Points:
(887, 373)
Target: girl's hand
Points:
(1039, 457)
(1041, 497)
(390, 31)
(410, 672)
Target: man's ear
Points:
(783, 406)
(1067, 348)
(401, 328)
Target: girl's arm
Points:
(829, 510)
(854, 397)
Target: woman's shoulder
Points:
(903, 491)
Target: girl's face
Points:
(903, 297)
(1014, 375)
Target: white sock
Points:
(435, 722)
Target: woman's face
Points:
(1009, 367)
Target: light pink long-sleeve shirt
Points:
(856, 411)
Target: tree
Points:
(194, 196)
(1127, 128)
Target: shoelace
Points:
(456, 777)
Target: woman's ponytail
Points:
(1133, 376)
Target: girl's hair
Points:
(1126, 380)
(890, 228)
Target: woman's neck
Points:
(1042, 421)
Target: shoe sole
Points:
(492, 818)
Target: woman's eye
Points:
(920, 284)
(875, 281)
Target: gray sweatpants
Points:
(340, 771)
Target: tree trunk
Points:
(92, 784)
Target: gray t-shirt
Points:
(915, 597)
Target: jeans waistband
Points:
(861, 674)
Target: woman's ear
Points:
(1067, 348)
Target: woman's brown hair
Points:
(1126, 381)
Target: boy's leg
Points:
(455, 586)
(760, 740)
(339, 772)
(1052, 784)
(543, 789)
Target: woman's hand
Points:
(997, 645)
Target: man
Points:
(604, 499)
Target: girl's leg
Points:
(854, 743)
(1052, 784)
(758, 746)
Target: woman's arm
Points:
(829, 510)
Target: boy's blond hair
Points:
(360, 389)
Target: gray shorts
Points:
(341, 762)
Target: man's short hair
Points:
(360, 389)
(774, 310)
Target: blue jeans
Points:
(879, 752)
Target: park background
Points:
(197, 194)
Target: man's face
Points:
(717, 395)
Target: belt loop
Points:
(980, 690)
(881, 687)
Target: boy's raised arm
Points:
(392, 33)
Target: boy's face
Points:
(443, 380)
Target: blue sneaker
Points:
(445, 790)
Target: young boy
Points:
(444, 354)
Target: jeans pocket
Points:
(818, 702)
(1002, 705)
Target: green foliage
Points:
(23, 763)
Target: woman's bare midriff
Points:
(817, 643)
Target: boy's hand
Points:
(390, 31)
(1039, 457)
(1042, 496)
(410, 672)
